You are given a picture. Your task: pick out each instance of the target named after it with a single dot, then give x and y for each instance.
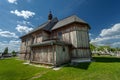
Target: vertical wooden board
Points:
(84, 53)
(36, 55)
(68, 38)
(71, 37)
(83, 38)
(80, 39)
(80, 53)
(45, 54)
(88, 53)
(57, 54)
(86, 42)
(61, 54)
(54, 52)
(72, 53)
(63, 36)
(39, 53)
(87, 36)
(77, 39)
(42, 55)
(49, 54)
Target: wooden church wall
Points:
(77, 35)
(62, 54)
(43, 55)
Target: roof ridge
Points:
(67, 17)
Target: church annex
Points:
(56, 42)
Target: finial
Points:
(50, 16)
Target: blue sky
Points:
(18, 17)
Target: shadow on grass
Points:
(106, 59)
(83, 65)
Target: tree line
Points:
(101, 48)
(5, 52)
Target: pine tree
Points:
(5, 51)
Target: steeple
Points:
(50, 16)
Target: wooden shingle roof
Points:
(68, 20)
(45, 26)
(55, 24)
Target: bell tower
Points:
(50, 16)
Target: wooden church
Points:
(56, 42)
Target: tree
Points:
(13, 53)
(92, 47)
(5, 51)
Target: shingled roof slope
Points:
(68, 20)
(45, 26)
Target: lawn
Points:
(103, 68)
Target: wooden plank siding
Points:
(74, 34)
(77, 35)
(42, 55)
(52, 55)
(62, 54)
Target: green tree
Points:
(13, 53)
(103, 47)
(92, 47)
(5, 51)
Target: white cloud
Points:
(115, 30)
(103, 39)
(7, 34)
(24, 23)
(23, 29)
(116, 44)
(108, 36)
(12, 1)
(12, 45)
(25, 14)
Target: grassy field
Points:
(103, 68)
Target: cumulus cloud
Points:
(110, 36)
(12, 45)
(24, 23)
(104, 39)
(12, 1)
(24, 13)
(23, 29)
(115, 30)
(7, 34)
(116, 44)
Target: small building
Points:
(56, 42)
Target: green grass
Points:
(12, 69)
(103, 68)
